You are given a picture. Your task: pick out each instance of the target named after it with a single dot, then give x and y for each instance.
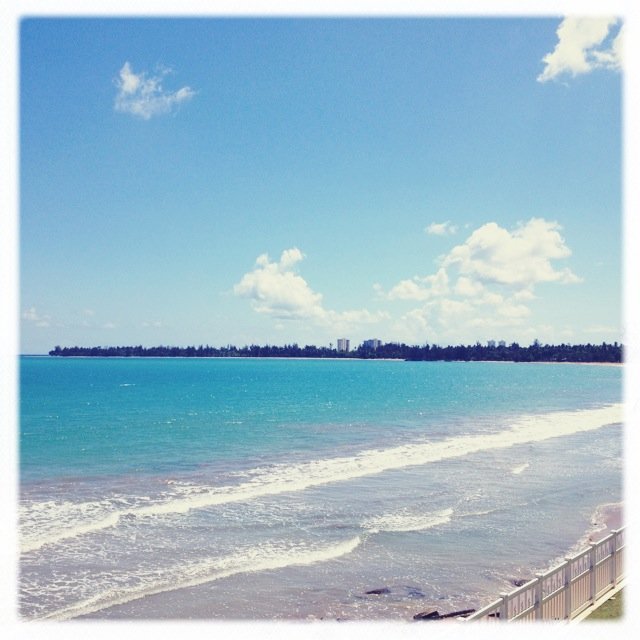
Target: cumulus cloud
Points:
(485, 282)
(520, 258)
(144, 96)
(584, 44)
(468, 288)
(492, 255)
(275, 289)
(421, 288)
(441, 229)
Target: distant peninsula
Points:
(536, 352)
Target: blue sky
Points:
(212, 180)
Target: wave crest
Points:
(404, 521)
(282, 478)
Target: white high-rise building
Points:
(343, 344)
(373, 343)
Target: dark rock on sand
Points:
(432, 614)
(429, 614)
(463, 613)
(378, 592)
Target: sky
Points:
(270, 180)
(215, 181)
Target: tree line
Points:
(536, 352)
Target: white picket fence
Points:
(564, 592)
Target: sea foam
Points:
(267, 556)
(519, 469)
(282, 478)
(405, 521)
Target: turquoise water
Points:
(146, 482)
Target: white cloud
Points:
(441, 229)
(521, 258)
(583, 45)
(602, 329)
(421, 288)
(414, 327)
(277, 291)
(144, 96)
(493, 275)
(524, 294)
(512, 311)
(31, 315)
(468, 288)
(408, 290)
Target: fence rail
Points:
(564, 592)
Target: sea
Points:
(299, 489)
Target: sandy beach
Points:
(606, 518)
(609, 516)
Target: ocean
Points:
(253, 489)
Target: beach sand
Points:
(606, 518)
(610, 515)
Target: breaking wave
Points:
(82, 518)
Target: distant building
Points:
(491, 343)
(343, 344)
(502, 343)
(373, 343)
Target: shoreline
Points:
(605, 518)
(608, 517)
(583, 364)
(331, 358)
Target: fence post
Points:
(592, 571)
(504, 607)
(568, 606)
(614, 559)
(538, 596)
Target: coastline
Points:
(330, 359)
(609, 517)
(583, 364)
(605, 518)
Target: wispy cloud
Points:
(584, 44)
(602, 329)
(441, 229)
(155, 324)
(39, 320)
(143, 95)
(276, 290)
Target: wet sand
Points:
(606, 518)
(610, 515)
